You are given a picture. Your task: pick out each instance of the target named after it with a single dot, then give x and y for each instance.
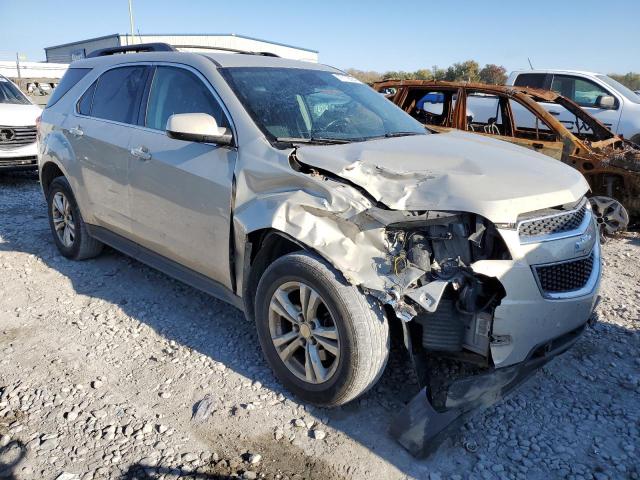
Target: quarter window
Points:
(69, 80)
(176, 90)
(584, 92)
(117, 95)
(84, 104)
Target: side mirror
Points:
(606, 102)
(198, 127)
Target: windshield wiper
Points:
(313, 140)
(401, 134)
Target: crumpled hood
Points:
(451, 171)
(15, 115)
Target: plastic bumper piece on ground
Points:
(420, 428)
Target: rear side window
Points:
(176, 90)
(533, 80)
(117, 94)
(528, 125)
(71, 77)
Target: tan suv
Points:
(324, 212)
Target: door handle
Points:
(555, 114)
(141, 152)
(76, 131)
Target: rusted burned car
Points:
(610, 163)
(326, 214)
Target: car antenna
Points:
(530, 64)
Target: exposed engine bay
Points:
(451, 305)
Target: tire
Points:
(79, 245)
(358, 322)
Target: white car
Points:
(18, 116)
(606, 99)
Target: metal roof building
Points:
(69, 52)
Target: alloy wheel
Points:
(610, 214)
(63, 221)
(303, 332)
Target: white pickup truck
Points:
(609, 101)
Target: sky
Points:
(579, 34)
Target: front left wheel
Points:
(67, 226)
(324, 339)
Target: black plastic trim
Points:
(140, 47)
(165, 265)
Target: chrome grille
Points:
(13, 137)
(557, 223)
(18, 162)
(567, 276)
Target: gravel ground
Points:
(109, 369)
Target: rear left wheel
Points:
(67, 226)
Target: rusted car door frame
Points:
(552, 148)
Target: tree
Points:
(365, 76)
(423, 74)
(438, 73)
(468, 71)
(630, 80)
(493, 74)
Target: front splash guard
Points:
(420, 428)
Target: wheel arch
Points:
(48, 172)
(262, 248)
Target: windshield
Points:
(629, 94)
(9, 93)
(290, 104)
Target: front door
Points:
(585, 93)
(181, 191)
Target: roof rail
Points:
(140, 47)
(226, 49)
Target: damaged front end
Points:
(440, 241)
(446, 310)
(447, 301)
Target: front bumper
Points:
(550, 291)
(420, 428)
(527, 316)
(19, 158)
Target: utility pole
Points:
(131, 20)
(18, 65)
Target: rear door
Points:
(532, 132)
(100, 132)
(180, 190)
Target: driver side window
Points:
(177, 90)
(582, 91)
